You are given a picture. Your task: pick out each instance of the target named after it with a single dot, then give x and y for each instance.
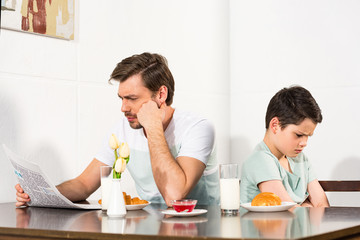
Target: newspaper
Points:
(42, 192)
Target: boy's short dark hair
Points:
(291, 106)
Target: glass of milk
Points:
(230, 188)
(106, 181)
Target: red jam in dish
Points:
(184, 205)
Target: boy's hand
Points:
(21, 197)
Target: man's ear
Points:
(162, 94)
(274, 125)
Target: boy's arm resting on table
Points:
(275, 186)
(81, 187)
(317, 196)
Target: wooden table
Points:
(302, 223)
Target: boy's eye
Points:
(298, 135)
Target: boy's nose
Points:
(303, 142)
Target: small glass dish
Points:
(185, 205)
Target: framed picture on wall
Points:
(53, 18)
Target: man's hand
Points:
(21, 197)
(151, 115)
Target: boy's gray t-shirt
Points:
(262, 166)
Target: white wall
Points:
(275, 44)
(56, 106)
(38, 105)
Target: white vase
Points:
(116, 206)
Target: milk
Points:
(229, 193)
(105, 192)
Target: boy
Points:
(278, 164)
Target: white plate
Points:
(194, 212)
(283, 207)
(136, 206)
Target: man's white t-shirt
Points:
(187, 135)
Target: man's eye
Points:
(298, 135)
(130, 98)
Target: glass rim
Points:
(184, 201)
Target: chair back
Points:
(340, 186)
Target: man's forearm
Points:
(174, 178)
(73, 190)
(169, 176)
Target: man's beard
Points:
(133, 125)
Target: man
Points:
(172, 152)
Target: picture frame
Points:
(52, 18)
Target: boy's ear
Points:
(274, 125)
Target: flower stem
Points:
(116, 157)
(116, 175)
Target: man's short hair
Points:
(153, 69)
(291, 106)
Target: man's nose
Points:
(124, 106)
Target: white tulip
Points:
(124, 151)
(120, 165)
(114, 142)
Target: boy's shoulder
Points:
(301, 158)
(260, 155)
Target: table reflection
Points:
(127, 224)
(316, 215)
(57, 219)
(298, 223)
(182, 226)
(230, 226)
(267, 224)
(22, 217)
(285, 224)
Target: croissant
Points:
(266, 199)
